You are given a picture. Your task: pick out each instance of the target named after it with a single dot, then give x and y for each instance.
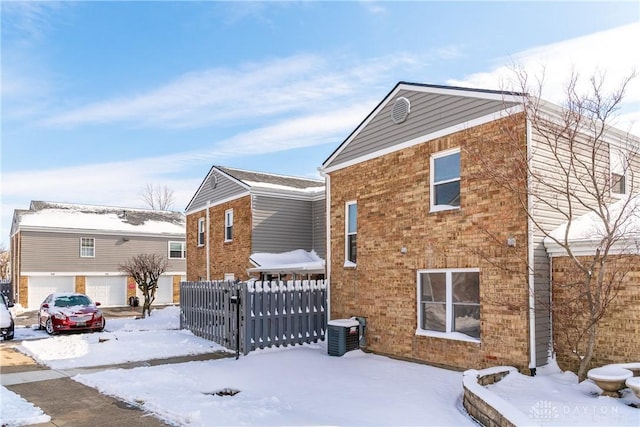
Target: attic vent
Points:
(400, 110)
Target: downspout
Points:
(206, 234)
(550, 302)
(327, 264)
(531, 261)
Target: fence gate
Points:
(250, 315)
(209, 310)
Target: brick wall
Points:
(618, 335)
(392, 192)
(225, 257)
(81, 284)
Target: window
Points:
(201, 232)
(87, 247)
(351, 229)
(177, 250)
(449, 302)
(618, 167)
(228, 225)
(445, 180)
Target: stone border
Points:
(483, 405)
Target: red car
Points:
(70, 311)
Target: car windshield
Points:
(71, 300)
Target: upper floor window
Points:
(177, 250)
(449, 302)
(201, 232)
(351, 232)
(618, 167)
(445, 180)
(87, 247)
(228, 225)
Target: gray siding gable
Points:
(433, 109)
(223, 184)
(218, 186)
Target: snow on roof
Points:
(101, 218)
(270, 186)
(589, 229)
(297, 261)
(274, 181)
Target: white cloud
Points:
(613, 52)
(120, 183)
(283, 86)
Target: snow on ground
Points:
(292, 386)
(555, 398)
(300, 385)
(124, 340)
(15, 411)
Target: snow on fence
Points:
(271, 313)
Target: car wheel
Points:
(40, 324)
(9, 337)
(49, 327)
(102, 326)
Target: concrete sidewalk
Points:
(70, 403)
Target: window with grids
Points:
(228, 225)
(351, 229)
(445, 180)
(87, 247)
(449, 301)
(201, 232)
(177, 250)
(618, 167)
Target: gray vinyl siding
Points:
(225, 189)
(318, 210)
(60, 252)
(429, 113)
(281, 225)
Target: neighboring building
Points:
(427, 245)
(236, 213)
(59, 247)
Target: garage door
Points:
(164, 293)
(107, 290)
(41, 286)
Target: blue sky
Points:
(100, 99)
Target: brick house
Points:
(62, 247)
(424, 242)
(236, 213)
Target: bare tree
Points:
(145, 269)
(566, 172)
(158, 198)
(5, 263)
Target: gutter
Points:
(531, 263)
(207, 233)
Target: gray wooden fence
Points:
(249, 315)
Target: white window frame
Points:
(183, 250)
(201, 232)
(618, 166)
(432, 170)
(228, 225)
(449, 333)
(347, 219)
(83, 247)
